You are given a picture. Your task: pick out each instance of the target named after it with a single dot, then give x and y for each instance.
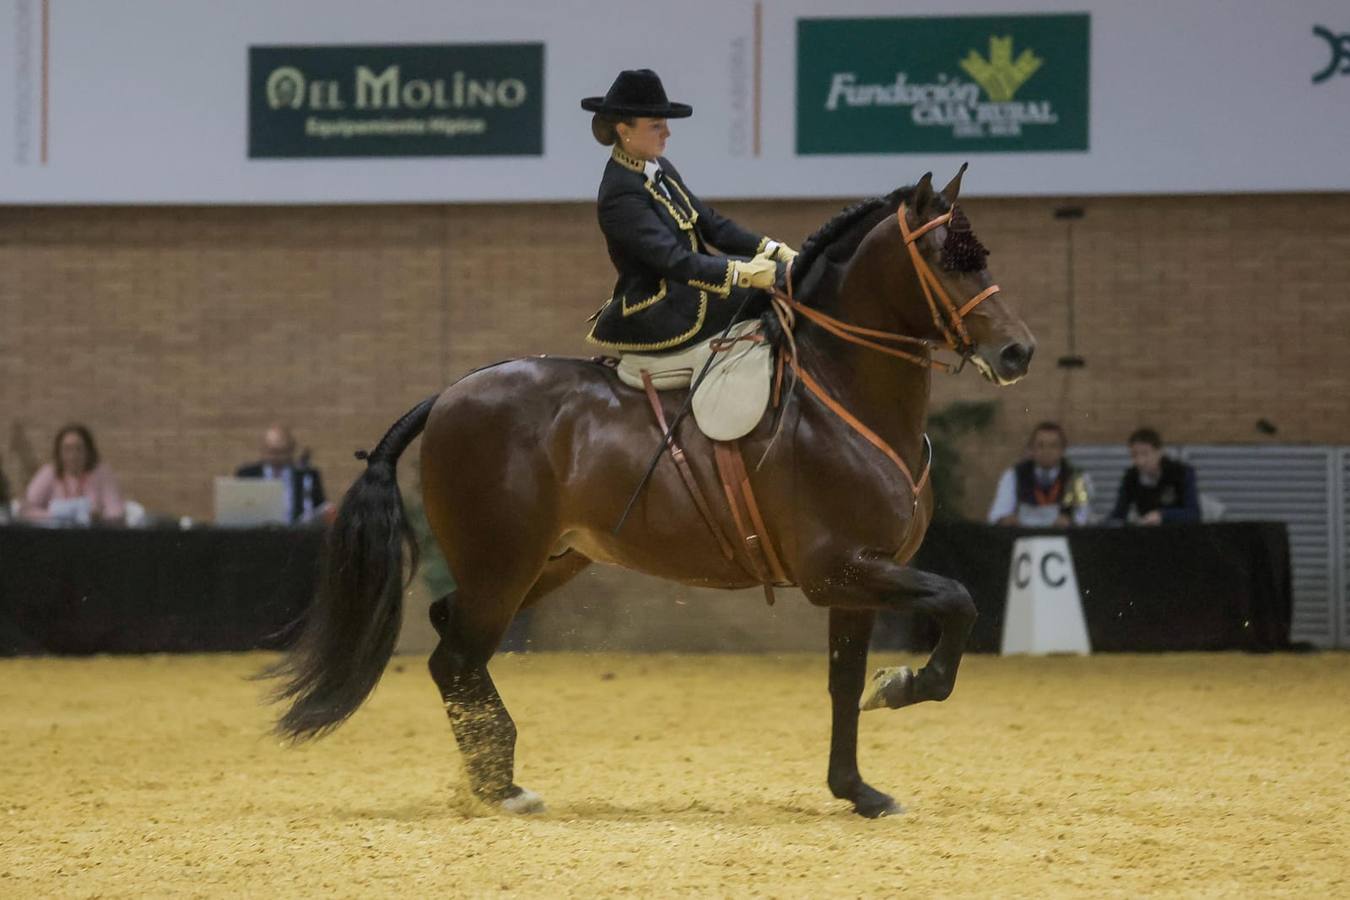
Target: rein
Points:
(943, 310)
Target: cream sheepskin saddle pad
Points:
(732, 398)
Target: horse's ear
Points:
(953, 188)
(923, 193)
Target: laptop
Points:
(70, 511)
(245, 502)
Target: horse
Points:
(527, 464)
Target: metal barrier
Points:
(1305, 487)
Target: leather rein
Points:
(947, 316)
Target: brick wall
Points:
(178, 333)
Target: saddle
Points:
(732, 397)
(729, 403)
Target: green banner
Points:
(399, 100)
(961, 84)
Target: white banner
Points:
(167, 101)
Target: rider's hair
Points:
(605, 127)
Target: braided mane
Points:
(838, 238)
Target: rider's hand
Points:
(783, 253)
(759, 272)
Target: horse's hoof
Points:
(523, 803)
(890, 688)
(878, 806)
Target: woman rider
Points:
(675, 290)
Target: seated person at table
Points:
(1156, 488)
(303, 484)
(1044, 489)
(75, 488)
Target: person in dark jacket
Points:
(1156, 488)
(683, 268)
(1044, 489)
(303, 485)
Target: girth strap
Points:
(686, 474)
(759, 546)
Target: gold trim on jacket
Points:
(661, 345)
(686, 222)
(643, 304)
(687, 202)
(724, 289)
(627, 160)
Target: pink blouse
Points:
(100, 486)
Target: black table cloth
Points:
(1217, 586)
(108, 590)
(1223, 586)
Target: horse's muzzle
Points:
(1014, 360)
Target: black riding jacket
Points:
(674, 288)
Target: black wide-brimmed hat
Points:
(637, 92)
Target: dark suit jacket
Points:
(1175, 494)
(301, 479)
(672, 290)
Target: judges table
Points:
(1220, 586)
(1174, 587)
(106, 590)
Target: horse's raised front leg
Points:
(876, 581)
(850, 634)
(904, 589)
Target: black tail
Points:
(352, 625)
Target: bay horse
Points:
(527, 464)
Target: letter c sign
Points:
(1022, 570)
(1058, 558)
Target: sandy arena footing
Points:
(689, 775)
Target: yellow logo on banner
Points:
(1000, 75)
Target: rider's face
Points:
(645, 138)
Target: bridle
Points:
(952, 325)
(947, 316)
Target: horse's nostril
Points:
(1016, 356)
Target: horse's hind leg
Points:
(470, 628)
